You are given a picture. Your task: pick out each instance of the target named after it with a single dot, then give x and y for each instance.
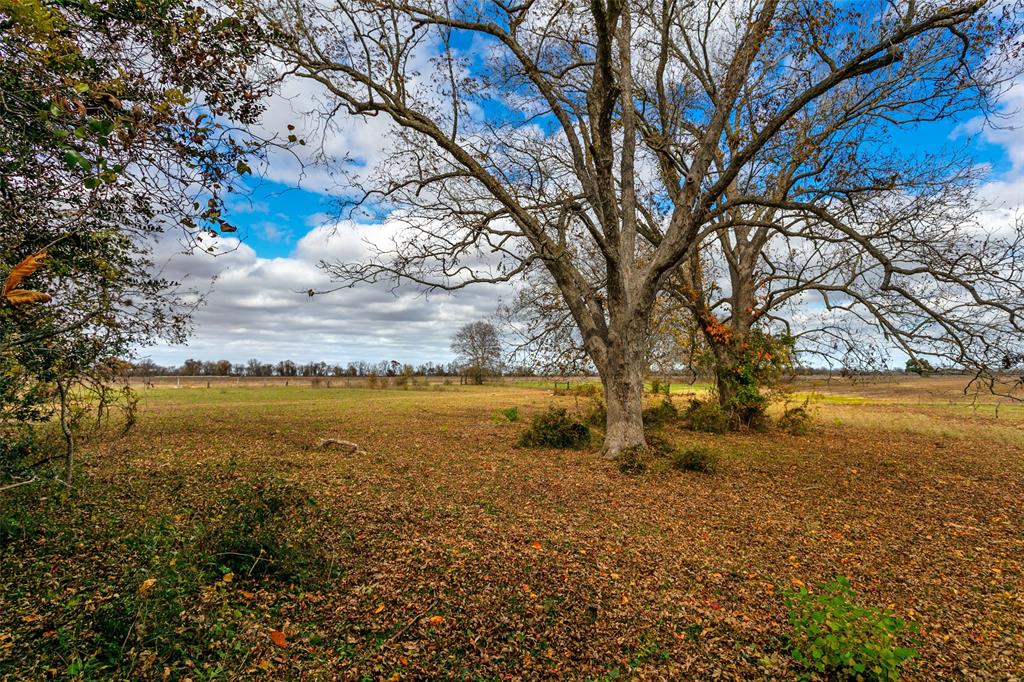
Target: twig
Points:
(18, 484)
(251, 568)
(410, 623)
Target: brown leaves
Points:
(15, 296)
(20, 297)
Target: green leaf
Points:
(74, 158)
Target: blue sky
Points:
(274, 216)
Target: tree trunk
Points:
(623, 379)
(725, 363)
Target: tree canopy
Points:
(477, 346)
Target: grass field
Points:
(216, 541)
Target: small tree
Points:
(919, 366)
(478, 348)
(118, 121)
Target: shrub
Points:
(707, 415)
(795, 421)
(658, 387)
(660, 414)
(702, 460)
(756, 420)
(555, 428)
(597, 415)
(509, 414)
(836, 637)
(587, 390)
(658, 446)
(631, 461)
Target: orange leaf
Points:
(22, 270)
(147, 585)
(537, 545)
(278, 638)
(20, 296)
(435, 620)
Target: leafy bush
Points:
(834, 636)
(631, 461)
(795, 421)
(708, 416)
(658, 387)
(702, 460)
(597, 415)
(660, 414)
(18, 443)
(555, 428)
(587, 390)
(508, 414)
(751, 380)
(658, 446)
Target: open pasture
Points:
(216, 541)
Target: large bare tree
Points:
(593, 140)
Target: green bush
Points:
(795, 421)
(702, 460)
(587, 390)
(580, 390)
(708, 416)
(631, 461)
(660, 387)
(555, 428)
(508, 414)
(597, 415)
(663, 413)
(834, 636)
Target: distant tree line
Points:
(288, 368)
(393, 368)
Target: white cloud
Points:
(258, 306)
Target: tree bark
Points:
(623, 378)
(624, 427)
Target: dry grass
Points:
(445, 551)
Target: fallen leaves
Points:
(575, 573)
(146, 586)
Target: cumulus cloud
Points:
(258, 308)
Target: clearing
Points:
(216, 541)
